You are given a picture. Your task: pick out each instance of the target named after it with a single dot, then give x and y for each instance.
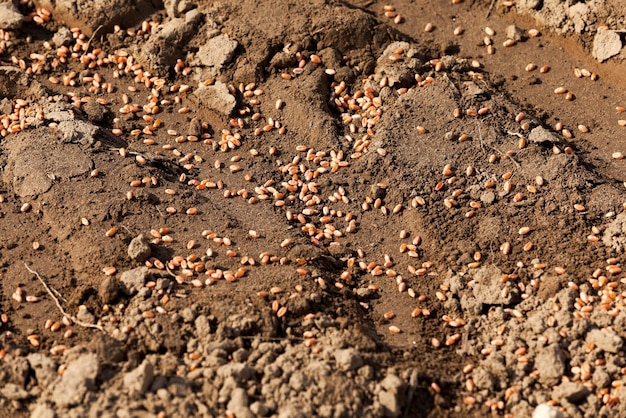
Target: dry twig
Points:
(52, 292)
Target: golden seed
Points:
(621, 122)
(544, 69)
(524, 230)
(429, 27)
(389, 315)
(508, 43)
(394, 330)
(583, 128)
(560, 90)
(617, 156)
(579, 207)
(528, 246)
(531, 67)
(111, 232)
(458, 31)
(25, 207)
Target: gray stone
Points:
(606, 44)
(541, 134)
(10, 16)
(217, 51)
(570, 391)
(601, 378)
(139, 380)
(605, 340)
(139, 248)
(547, 411)
(133, 280)
(348, 359)
(62, 37)
(78, 378)
(513, 32)
(551, 365)
(216, 97)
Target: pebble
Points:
(547, 411)
(139, 248)
(138, 381)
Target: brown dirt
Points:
(295, 311)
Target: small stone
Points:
(513, 32)
(138, 381)
(109, 289)
(62, 37)
(134, 279)
(540, 134)
(605, 340)
(601, 378)
(606, 43)
(216, 97)
(570, 391)
(139, 248)
(195, 127)
(348, 359)
(10, 16)
(551, 364)
(547, 411)
(217, 51)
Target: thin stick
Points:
(52, 292)
(493, 2)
